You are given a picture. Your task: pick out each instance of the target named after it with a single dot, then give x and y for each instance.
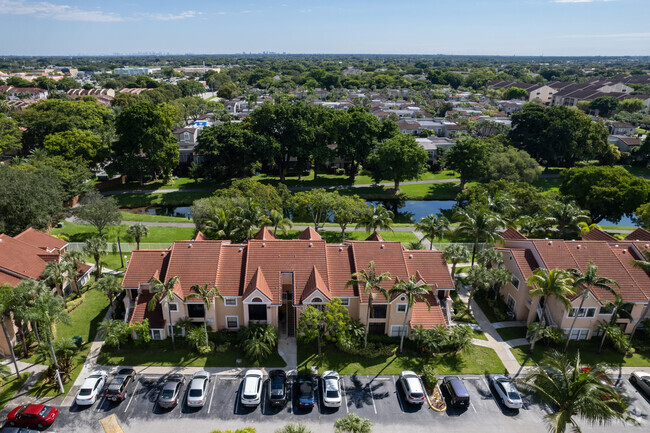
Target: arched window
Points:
(186, 136)
(316, 300)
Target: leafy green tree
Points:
(99, 211)
(137, 232)
(73, 176)
(5, 310)
(352, 423)
(146, 146)
(18, 82)
(164, 292)
(111, 286)
(567, 216)
(433, 227)
(545, 283)
(228, 90)
(478, 224)
(468, 157)
(376, 217)
(357, 134)
(572, 391)
(114, 332)
(369, 282)
(10, 135)
(631, 105)
(512, 164)
(76, 144)
(413, 291)
(277, 220)
(57, 274)
(456, 253)
(190, 87)
(399, 159)
(249, 218)
(311, 326)
(206, 296)
(607, 192)
(348, 209)
(605, 105)
(28, 198)
(515, 93)
(96, 247)
(318, 204)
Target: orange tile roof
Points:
(431, 266)
(41, 240)
(10, 279)
(315, 282)
(428, 318)
(375, 236)
(199, 236)
(639, 235)
(194, 262)
(524, 259)
(511, 233)
(258, 282)
(20, 258)
(388, 257)
(141, 311)
(309, 234)
(340, 269)
(264, 234)
(230, 275)
(144, 264)
(598, 235)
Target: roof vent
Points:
(647, 246)
(340, 248)
(579, 246)
(310, 245)
(263, 244)
(189, 246)
(616, 245)
(550, 242)
(573, 240)
(410, 256)
(162, 254)
(240, 250)
(624, 251)
(382, 246)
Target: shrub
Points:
(72, 305)
(547, 335)
(371, 351)
(352, 423)
(222, 348)
(443, 340)
(243, 430)
(258, 341)
(429, 377)
(195, 338)
(294, 428)
(616, 338)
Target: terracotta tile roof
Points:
(340, 268)
(375, 236)
(144, 264)
(431, 267)
(141, 311)
(388, 257)
(524, 259)
(598, 235)
(20, 258)
(199, 236)
(639, 235)
(41, 240)
(194, 262)
(258, 282)
(626, 254)
(554, 254)
(7, 278)
(264, 234)
(512, 234)
(421, 315)
(309, 234)
(83, 268)
(230, 275)
(315, 282)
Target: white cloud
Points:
(56, 12)
(172, 17)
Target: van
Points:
(458, 395)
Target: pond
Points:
(177, 211)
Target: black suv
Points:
(120, 385)
(277, 388)
(458, 395)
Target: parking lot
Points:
(379, 398)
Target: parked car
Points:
(32, 415)
(458, 395)
(17, 430)
(642, 380)
(306, 391)
(331, 385)
(507, 391)
(252, 388)
(91, 388)
(412, 387)
(198, 389)
(121, 385)
(277, 388)
(171, 391)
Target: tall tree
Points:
(277, 220)
(413, 291)
(369, 281)
(51, 310)
(480, 225)
(433, 227)
(5, 300)
(164, 292)
(96, 247)
(76, 145)
(357, 133)
(318, 204)
(456, 253)
(10, 135)
(469, 158)
(206, 296)
(376, 217)
(75, 258)
(99, 211)
(620, 308)
(348, 209)
(137, 232)
(57, 274)
(398, 159)
(111, 286)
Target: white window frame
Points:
(345, 301)
(516, 286)
(580, 334)
(175, 305)
(571, 314)
(514, 303)
(400, 329)
(155, 332)
(169, 330)
(186, 136)
(399, 306)
(230, 298)
(232, 317)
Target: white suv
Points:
(251, 389)
(412, 386)
(331, 389)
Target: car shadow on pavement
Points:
(505, 410)
(238, 408)
(405, 405)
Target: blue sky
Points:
(500, 27)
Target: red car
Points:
(32, 415)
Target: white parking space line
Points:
(372, 396)
(399, 400)
(470, 403)
(345, 397)
(132, 395)
(101, 403)
(216, 378)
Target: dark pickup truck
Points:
(121, 385)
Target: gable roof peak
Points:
(264, 234)
(309, 234)
(315, 282)
(258, 282)
(375, 236)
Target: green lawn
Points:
(476, 360)
(335, 237)
(334, 179)
(130, 216)
(479, 335)
(548, 184)
(638, 171)
(588, 354)
(159, 199)
(10, 386)
(180, 183)
(112, 260)
(80, 232)
(85, 321)
(161, 353)
(512, 333)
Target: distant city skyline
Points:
(459, 27)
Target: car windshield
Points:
(85, 391)
(195, 393)
(21, 410)
(46, 410)
(332, 394)
(276, 384)
(513, 395)
(305, 390)
(167, 393)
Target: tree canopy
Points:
(398, 159)
(76, 144)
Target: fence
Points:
(127, 247)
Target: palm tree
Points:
(620, 307)
(57, 273)
(536, 225)
(557, 283)
(206, 296)
(413, 292)
(137, 232)
(249, 218)
(567, 216)
(479, 225)
(489, 258)
(74, 257)
(222, 224)
(369, 282)
(585, 228)
(433, 227)
(456, 253)
(95, 247)
(24, 300)
(588, 280)
(573, 391)
(499, 278)
(277, 220)
(111, 286)
(51, 310)
(479, 278)
(164, 291)
(5, 301)
(377, 217)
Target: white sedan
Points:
(331, 389)
(642, 380)
(507, 392)
(198, 389)
(91, 388)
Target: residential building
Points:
(621, 128)
(19, 93)
(624, 143)
(131, 70)
(272, 281)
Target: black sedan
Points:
(277, 388)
